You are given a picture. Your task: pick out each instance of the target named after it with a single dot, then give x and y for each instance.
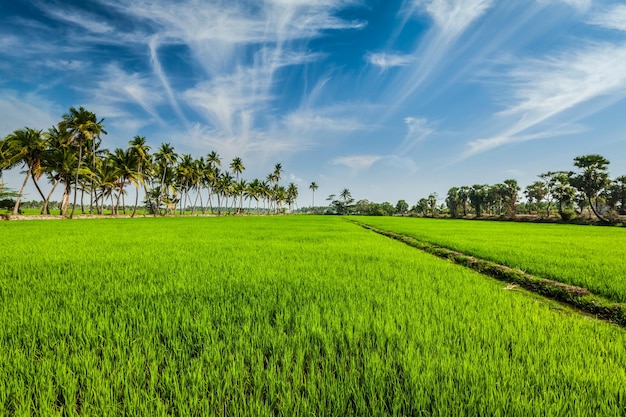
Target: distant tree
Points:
(402, 207)
(617, 194)
(592, 180)
(535, 192)
(509, 193)
(432, 204)
(453, 202)
(313, 187)
(478, 198)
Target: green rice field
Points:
(591, 257)
(295, 315)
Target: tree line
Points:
(569, 193)
(70, 155)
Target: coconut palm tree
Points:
(29, 148)
(237, 166)
(185, 172)
(126, 163)
(313, 187)
(291, 195)
(84, 128)
(7, 154)
(165, 157)
(212, 174)
(141, 152)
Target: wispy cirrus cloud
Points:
(241, 48)
(388, 60)
(418, 129)
(357, 162)
(544, 90)
(580, 5)
(611, 17)
(118, 90)
(451, 18)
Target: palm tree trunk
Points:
(65, 200)
(80, 156)
(16, 208)
(45, 209)
(32, 175)
(193, 208)
(596, 212)
(136, 201)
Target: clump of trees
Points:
(569, 192)
(70, 155)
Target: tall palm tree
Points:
(126, 163)
(83, 127)
(237, 166)
(212, 174)
(313, 187)
(29, 147)
(165, 157)
(292, 195)
(185, 172)
(141, 152)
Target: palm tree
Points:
(126, 163)
(83, 127)
(292, 195)
(7, 159)
(313, 187)
(29, 147)
(185, 173)
(237, 166)
(212, 174)
(141, 152)
(164, 158)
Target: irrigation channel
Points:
(577, 297)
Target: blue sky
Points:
(392, 99)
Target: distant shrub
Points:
(567, 215)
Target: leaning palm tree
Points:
(313, 187)
(28, 147)
(83, 127)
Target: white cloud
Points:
(580, 5)
(418, 129)
(357, 162)
(30, 110)
(611, 18)
(385, 61)
(452, 17)
(79, 18)
(556, 87)
(119, 89)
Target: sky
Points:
(392, 99)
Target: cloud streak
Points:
(547, 89)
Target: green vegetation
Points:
(70, 154)
(281, 316)
(586, 256)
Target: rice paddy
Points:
(280, 316)
(591, 257)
